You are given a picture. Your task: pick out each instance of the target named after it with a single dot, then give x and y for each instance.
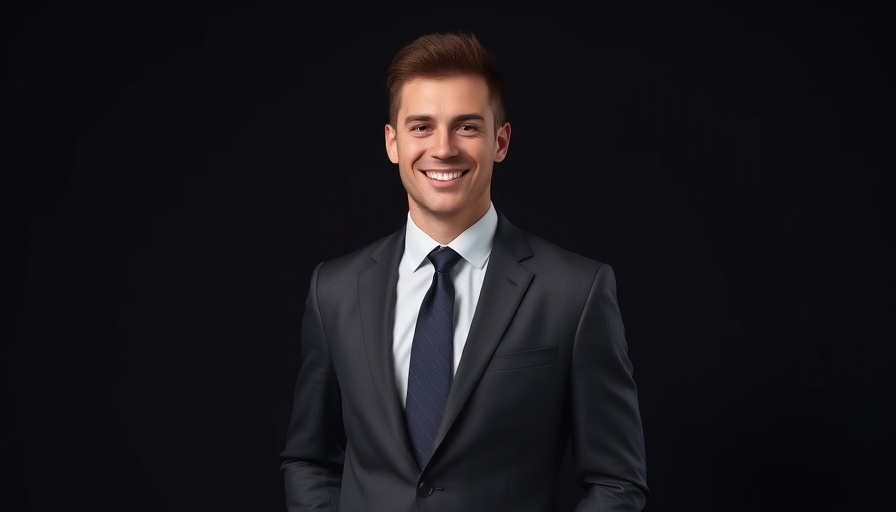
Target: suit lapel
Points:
(506, 282)
(376, 291)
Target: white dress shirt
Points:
(415, 277)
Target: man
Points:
(533, 355)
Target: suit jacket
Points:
(545, 362)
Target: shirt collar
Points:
(474, 244)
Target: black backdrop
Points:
(173, 171)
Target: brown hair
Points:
(443, 55)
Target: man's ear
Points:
(391, 143)
(502, 142)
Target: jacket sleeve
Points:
(607, 435)
(312, 460)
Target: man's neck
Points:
(444, 229)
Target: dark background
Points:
(172, 172)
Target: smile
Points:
(444, 176)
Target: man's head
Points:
(446, 130)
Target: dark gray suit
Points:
(545, 358)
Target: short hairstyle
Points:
(444, 55)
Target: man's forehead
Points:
(467, 93)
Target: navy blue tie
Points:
(431, 357)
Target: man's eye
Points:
(419, 128)
(467, 128)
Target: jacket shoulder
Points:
(539, 253)
(364, 256)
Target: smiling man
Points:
(446, 366)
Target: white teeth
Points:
(443, 176)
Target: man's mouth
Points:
(444, 176)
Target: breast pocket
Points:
(523, 359)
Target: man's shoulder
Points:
(545, 251)
(367, 254)
(557, 254)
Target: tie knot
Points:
(443, 259)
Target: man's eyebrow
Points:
(469, 117)
(418, 119)
(428, 119)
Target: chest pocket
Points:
(523, 359)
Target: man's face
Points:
(445, 144)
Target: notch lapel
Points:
(377, 295)
(505, 284)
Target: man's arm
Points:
(607, 435)
(315, 442)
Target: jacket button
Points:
(424, 489)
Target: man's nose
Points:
(443, 145)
